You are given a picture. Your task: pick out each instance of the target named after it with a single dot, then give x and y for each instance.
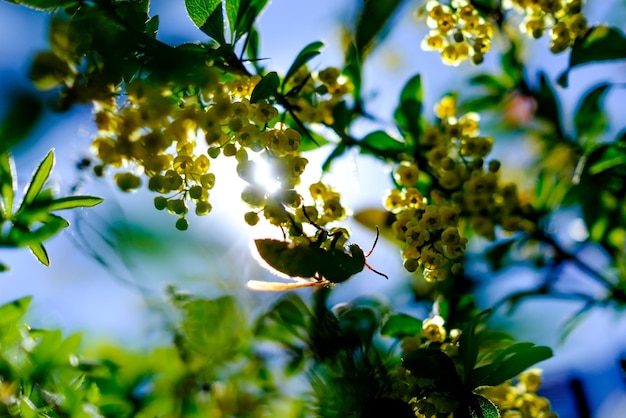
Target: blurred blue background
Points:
(109, 270)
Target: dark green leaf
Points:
(409, 112)
(308, 52)
(589, 118)
(13, 311)
(8, 185)
(600, 43)
(200, 10)
(547, 106)
(214, 25)
(291, 311)
(509, 363)
(468, 346)
(338, 151)
(40, 252)
(44, 4)
(373, 18)
(72, 202)
(412, 90)
(481, 407)
(342, 116)
(430, 363)
(152, 26)
(382, 144)
(266, 88)
(23, 114)
(39, 179)
(358, 324)
(401, 325)
(497, 252)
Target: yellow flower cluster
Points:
(463, 192)
(520, 400)
(562, 17)
(313, 95)
(458, 32)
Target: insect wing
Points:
(481, 407)
(262, 286)
(286, 260)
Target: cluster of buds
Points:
(464, 194)
(313, 95)
(563, 18)
(458, 32)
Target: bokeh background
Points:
(109, 270)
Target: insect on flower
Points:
(310, 265)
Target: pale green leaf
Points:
(40, 252)
(200, 10)
(39, 179)
(72, 202)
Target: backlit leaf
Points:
(200, 10)
(72, 202)
(39, 178)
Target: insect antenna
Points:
(370, 252)
(375, 242)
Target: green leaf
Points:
(223, 339)
(13, 311)
(40, 252)
(489, 81)
(248, 12)
(382, 144)
(600, 43)
(8, 185)
(200, 10)
(401, 325)
(232, 10)
(481, 407)
(214, 25)
(373, 18)
(352, 70)
(358, 324)
(409, 112)
(412, 90)
(266, 88)
(72, 202)
(589, 118)
(24, 112)
(39, 179)
(468, 346)
(496, 253)
(613, 157)
(152, 26)
(430, 363)
(509, 363)
(547, 106)
(305, 55)
(44, 4)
